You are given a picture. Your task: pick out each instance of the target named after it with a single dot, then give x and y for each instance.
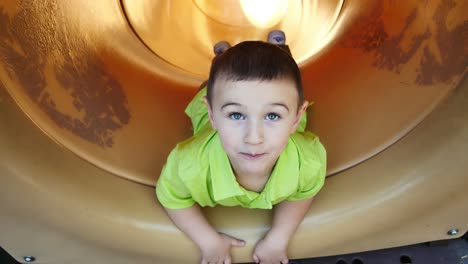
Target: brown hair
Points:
(255, 60)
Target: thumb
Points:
(237, 242)
(234, 241)
(255, 258)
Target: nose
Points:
(254, 133)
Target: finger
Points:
(231, 237)
(256, 259)
(204, 261)
(237, 242)
(227, 260)
(285, 261)
(234, 241)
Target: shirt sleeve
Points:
(197, 111)
(171, 191)
(313, 166)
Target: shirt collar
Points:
(222, 177)
(285, 176)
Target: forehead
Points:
(255, 91)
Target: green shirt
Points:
(198, 169)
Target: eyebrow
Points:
(237, 104)
(281, 104)
(230, 103)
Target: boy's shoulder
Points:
(308, 145)
(305, 137)
(194, 146)
(189, 158)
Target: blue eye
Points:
(236, 116)
(272, 117)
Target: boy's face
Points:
(254, 120)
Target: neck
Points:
(255, 183)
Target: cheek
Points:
(278, 138)
(229, 138)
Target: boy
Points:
(249, 149)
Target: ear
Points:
(210, 112)
(300, 112)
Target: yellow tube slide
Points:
(92, 101)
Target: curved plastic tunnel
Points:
(92, 101)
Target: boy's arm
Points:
(287, 216)
(214, 246)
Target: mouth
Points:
(252, 156)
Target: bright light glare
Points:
(264, 13)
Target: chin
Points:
(255, 171)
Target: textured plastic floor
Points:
(441, 252)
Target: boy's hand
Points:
(270, 250)
(218, 251)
